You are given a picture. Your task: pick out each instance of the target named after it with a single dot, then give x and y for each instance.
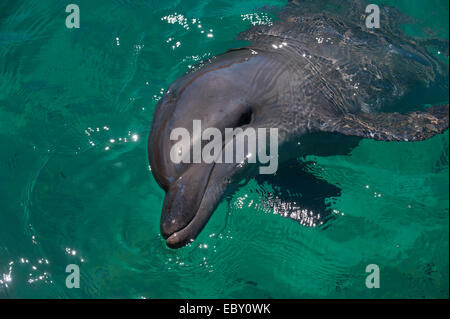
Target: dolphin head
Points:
(220, 95)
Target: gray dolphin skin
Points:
(313, 70)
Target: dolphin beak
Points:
(187, 234)
(187, 207)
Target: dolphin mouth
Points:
(177, 237)
(188, 233)
(174, 243)
(185, 235)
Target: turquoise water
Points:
(76, 188)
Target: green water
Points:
(75, 185)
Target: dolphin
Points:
(313, 71)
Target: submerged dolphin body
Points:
(311, 72)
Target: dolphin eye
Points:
(245, 118)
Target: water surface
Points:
(76, 188)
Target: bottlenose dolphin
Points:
(313, 71)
